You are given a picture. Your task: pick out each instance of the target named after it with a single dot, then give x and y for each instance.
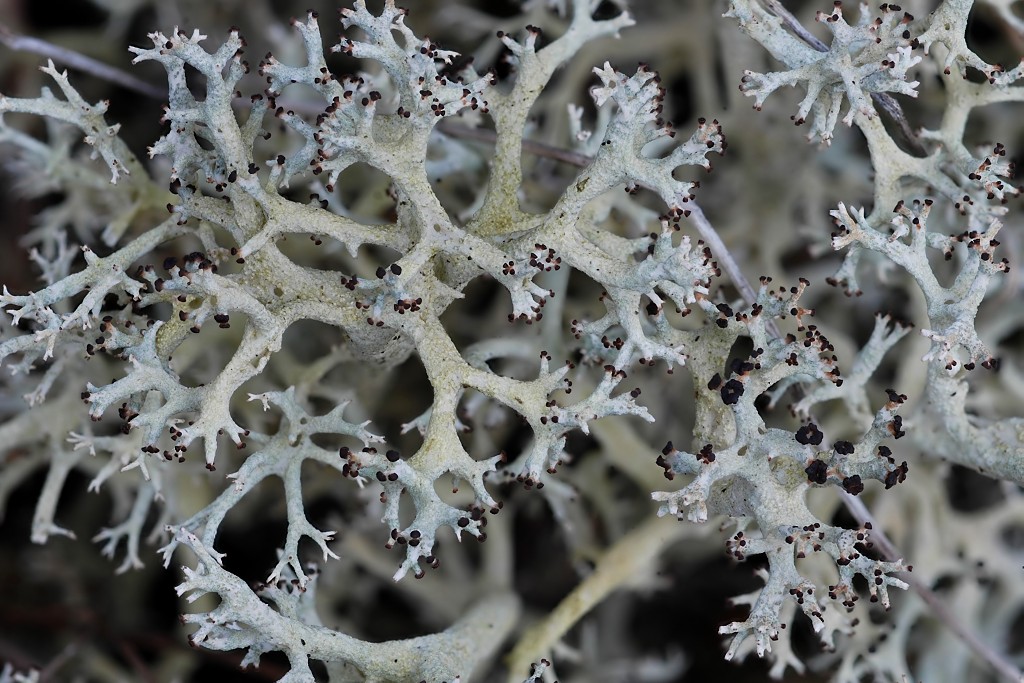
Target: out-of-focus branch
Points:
(79, 62)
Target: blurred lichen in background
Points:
(387, 357)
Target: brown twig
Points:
(53, 667)
(884, 101)
(1002, 666)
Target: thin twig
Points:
(1003, 667)
(721, 253)
(885, 101)
(80, 62)
(794, 25)
(53, 667)
(131, 654)
(537, 148)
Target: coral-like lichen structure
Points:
(378, 290)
